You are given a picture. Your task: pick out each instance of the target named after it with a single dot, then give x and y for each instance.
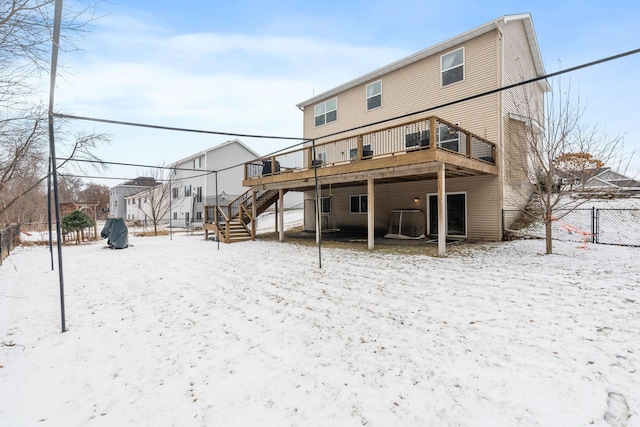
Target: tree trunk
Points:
(548, 221)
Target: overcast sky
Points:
(242, 66)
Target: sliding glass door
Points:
(456, 209)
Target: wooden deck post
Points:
(433, 133)
(254, 200)
(370, 213)
(281, 213)
(442, 212)
(309, 157)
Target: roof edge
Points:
(204, 152)
(437, 48)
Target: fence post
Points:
(503, 236)
(593, 224)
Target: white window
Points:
(374, 95)
(187, 191)
(175, 192)
(325, 205)
(449, 137)
(452, 67)
(199, 194)
(197, 163)
(358, 203)
(326, 112)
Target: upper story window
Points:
(187, 190)
(374, 95)
(175, 193)
(197, 163)
(326, 112)
(452, 66)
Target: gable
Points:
(438, 49)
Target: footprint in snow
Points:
(617, 413)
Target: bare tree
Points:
(98, 195)
(158, 199)
(24, 161)
(25, 43)
(554, 142)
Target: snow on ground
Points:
(176, 332)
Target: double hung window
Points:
(374, 95)
(452, 67)
(326, 112)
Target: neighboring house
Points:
(117, 194)
(193, 181)
(607, 180)
(456, 162)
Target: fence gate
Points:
(617, 227)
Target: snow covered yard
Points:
(176, 332)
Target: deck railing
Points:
(405, 138)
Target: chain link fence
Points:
(594, 225)
(9, 239)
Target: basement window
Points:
(358, 203)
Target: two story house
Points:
(194, 183)
(207, 177)
(414, 135)
(119, 193)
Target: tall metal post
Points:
(52, 149)
(318, 213)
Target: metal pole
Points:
(215, 212)
(170, 213)
(49, 214)
(318, 214)
(52, 148)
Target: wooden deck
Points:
(392, 154)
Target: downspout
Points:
(501, 130)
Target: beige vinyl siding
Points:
(518, 66)
(417, 87)
(483, 213)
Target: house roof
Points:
(607, 177)
(217, 147)
(440, 47)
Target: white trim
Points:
(366, 97)
(325, 112)
(464, 71)
(360, 204)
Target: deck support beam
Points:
(280, 204)
(442, 213)
(254, 200)
(370, 213)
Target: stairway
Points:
(238, 215)
(237, 231)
